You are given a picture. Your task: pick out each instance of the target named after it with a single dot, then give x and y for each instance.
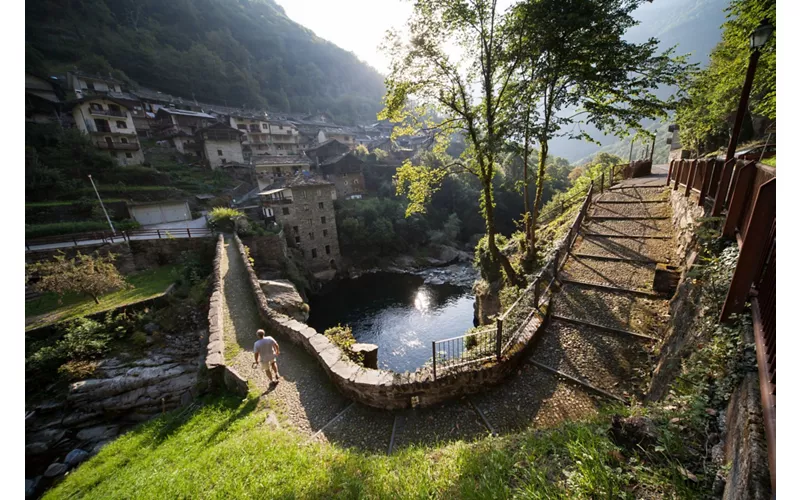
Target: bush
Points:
(224, 218)
(342, 337)
(61, 228)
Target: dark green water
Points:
(397, 312)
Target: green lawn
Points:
(770, 161)
(146, 285)
(225, 449)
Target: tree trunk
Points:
(96, 298)
(539, 188)
(525, 196)
(497, 255)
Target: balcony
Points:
(117, 146)
(108, 112)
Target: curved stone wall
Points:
(381, 388)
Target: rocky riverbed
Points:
(62, 432)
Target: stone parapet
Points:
(382, 388)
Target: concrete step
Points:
(629, 227)
(630, 210)
(635, 193)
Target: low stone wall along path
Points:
(597, 347)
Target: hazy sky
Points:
(359, 25)
(355, 25)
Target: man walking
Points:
(266, 350)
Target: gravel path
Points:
(624, 311)
(304, 396)
(537, 398)
(626, 248)
(611, 362)
(632, 275)
(450, 421)
(629, 227)
(630, 210)
(361, 427)
(633, 194)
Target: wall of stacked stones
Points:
(381, 388)
(220, 375)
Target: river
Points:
(399, 313)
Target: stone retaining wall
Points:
(381, 388)
(685, 213)
(220, 374)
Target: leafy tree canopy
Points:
(706, 116)
(82, 274)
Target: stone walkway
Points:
(583, 357)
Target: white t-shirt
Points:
(266, 349)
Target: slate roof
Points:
(302, 179)
(183, 112)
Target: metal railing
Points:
(90, 238)
(492, 342)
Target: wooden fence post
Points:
(744, 180)
(755, 244)
(602, 180)
(690, 178)
(722, 188)
(188, 232)
(678, 175)
(669, 173)
(708, 167)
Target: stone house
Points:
(341, 134)
(284, 138)
(255, 131)
(83, 84)
(109, 124)
(169, 121)
(270, 169)
(676, 152)
(303, 205)
(43, 97)
(327, 149)
(218, 145)
(345, 171)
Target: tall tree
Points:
(82, 274)
(706, 116)
(468, 90)
(579, 70)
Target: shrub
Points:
(224, 218)
(342, 337)
(77, 370)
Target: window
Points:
(264, 126)
(303, 195)
(328, 249)
(223, 161)
(355, 182)
(95, 106)
(121, 124)
(241, 127)
(311, 236)
(321, 205)
(219, 152)
(345, 182)
(295, 229)
(128, 155)
(313, 253)
(297, 239)
(305, 207)
(123, 140)
(280, 127)
(277, 171)
(322, 220)
(285, 210)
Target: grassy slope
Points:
(225, 449)
(146, 285)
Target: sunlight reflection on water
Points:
(398, 313)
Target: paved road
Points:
(178, 227)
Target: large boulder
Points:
(283, 297)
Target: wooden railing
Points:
(746, 193)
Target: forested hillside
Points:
(239, 52)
